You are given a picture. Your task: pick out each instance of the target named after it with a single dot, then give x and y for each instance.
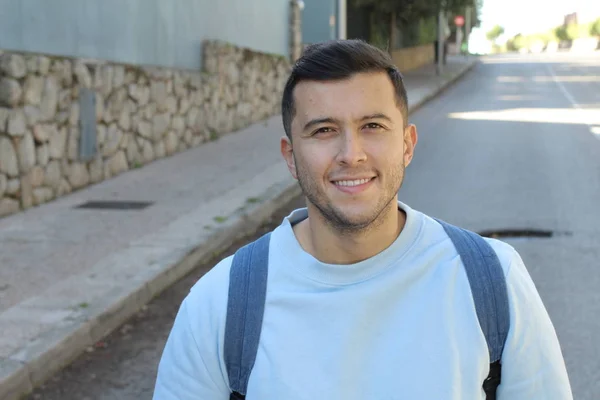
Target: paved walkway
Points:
(70, 275)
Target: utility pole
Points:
(467, 25)
(341, 19)
(459, 37)
(440, 43)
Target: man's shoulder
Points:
(209, 294)
(518, 280)
(217, 275)
(506, 253)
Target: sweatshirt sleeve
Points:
(191, 366)
(532, 363)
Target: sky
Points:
(531, 16)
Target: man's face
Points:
(349, 148)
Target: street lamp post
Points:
(467, 26)
(440, 43)
(341, 19)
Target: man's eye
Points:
(373, 125)
(323, 130)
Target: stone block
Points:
(10, 92)
(32, 90)
(13, 65)
(17, 123)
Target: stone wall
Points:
(141, 114)
(413, 57)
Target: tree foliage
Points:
(595, 28)
(562, 33)
(575, 31)
(408, 9)
(413, 21)
(495, 33)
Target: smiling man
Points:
(348, 141)
(359, 296)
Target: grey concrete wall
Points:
(147, 32)
(315, 20)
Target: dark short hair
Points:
(337, 60)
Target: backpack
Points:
(247, 294)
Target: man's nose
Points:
(351, 149)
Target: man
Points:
(366, 297)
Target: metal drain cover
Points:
(517, 233)
(115, 205)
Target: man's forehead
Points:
(368, 92)
(374, 79)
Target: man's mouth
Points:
(354, 182)
(353, 186)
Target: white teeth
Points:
(352, 183)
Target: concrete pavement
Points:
(70, 275)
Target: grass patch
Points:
(220, 219)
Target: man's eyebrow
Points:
(329, 120)
(376, 116)
(318, 121)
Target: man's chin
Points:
(354, 219)
(347, 215)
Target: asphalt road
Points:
(510, 146)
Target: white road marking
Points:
(562, 87)
(571, 99)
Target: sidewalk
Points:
(70, 275)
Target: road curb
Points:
(57, 348)
(443, 87)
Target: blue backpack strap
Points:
(245, 309)
(488, 286)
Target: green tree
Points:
(516, 43)
(383, 10)
(595, 28)
(573, 31)
(561, 33)
(405, 12)
(495, 33)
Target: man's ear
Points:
(287, 152)
(410, 141)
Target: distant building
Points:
(570, 19)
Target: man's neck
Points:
(331, 246)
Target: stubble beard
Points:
(336, 218)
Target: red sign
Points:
(459, 20)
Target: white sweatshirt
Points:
(400, 325)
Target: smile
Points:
(355, 182)
(353, 186)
